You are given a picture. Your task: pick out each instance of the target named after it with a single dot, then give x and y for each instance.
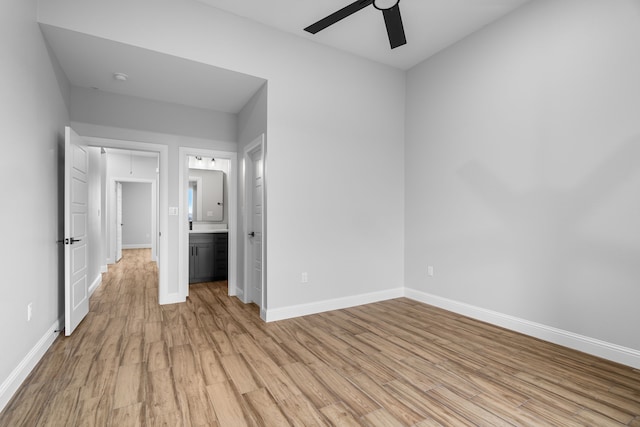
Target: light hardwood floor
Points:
(211, 361)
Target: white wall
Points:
(32, 118)
(252, 119)
(136, 215)
(522, 177)
(333, 119)
(109, 109)
(95, 213)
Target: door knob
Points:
(252, 234)
(70, 241)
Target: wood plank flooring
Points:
(212, 362)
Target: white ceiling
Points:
(90, 62)
(430, 25)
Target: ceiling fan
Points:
(390, 10)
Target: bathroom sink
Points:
(203, 227)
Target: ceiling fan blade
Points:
(395, 29)
(337, 16)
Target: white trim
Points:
(137, 246)
(173, 298)
(95, 284)
(239, 293)
(613, 352)
(11, 384)
(183, 222)
(198, 181)
(104, 269)
(272, 315)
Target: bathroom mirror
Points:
(206, 195)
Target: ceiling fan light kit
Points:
(390, 11)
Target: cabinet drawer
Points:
(200, 238)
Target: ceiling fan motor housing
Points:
(385, 4)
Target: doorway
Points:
(161, 214)
(135, 222)
(135, 173)
(231, 202)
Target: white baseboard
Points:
(104, 269)
(137, 246)
(10, 385)
(95, 284)
(173, 298)
(272, 315)
(609, 351)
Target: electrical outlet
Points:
(430, 270)
(304, 278)
(29, 311)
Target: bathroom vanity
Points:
(208, 256)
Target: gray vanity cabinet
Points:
(207, 257)
(200, 257)
(220, 255)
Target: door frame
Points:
(183, 228)
(164, 296)
(198, 181)
(118, 227)
(154, 211)
(247, 171)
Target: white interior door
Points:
(255, 233)
(118, 221)
(76, 288)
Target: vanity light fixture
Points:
(198, 157)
